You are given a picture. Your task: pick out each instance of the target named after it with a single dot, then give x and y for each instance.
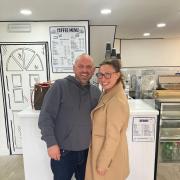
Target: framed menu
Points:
(66, 43)
(143, 129)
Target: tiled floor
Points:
(11, 167)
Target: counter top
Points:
(137, 107)
(140, 107)
(168, 100)
(29, 112)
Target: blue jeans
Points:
(71, 162)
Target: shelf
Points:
(169, 139)
(170, 118)
(170, 161)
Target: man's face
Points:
(83, 69)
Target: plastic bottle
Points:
(108, 51)
(167, 151)
(175, 152)
(127, 86)
(178, 151)
(138, 88)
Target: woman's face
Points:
(107, 77)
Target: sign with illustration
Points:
(23, 65)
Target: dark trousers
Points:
(71, 162)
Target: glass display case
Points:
(143, 81)
(168, 150)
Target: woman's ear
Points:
(118, 75)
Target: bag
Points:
(40, 89)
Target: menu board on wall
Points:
(67, 42)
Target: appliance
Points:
(141, 135)
(168, 144)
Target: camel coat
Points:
(109, 143)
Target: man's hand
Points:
(54, 152)
(101, 172)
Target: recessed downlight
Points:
(161, 25)
(146, 34)
(26, 12)
(106, 11)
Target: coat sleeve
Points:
(49, 111)
(117, 115)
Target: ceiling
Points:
(132, 17)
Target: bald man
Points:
(65, 121)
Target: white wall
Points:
(152, 52)
(117, 45)
(99, 36)
(39, 32)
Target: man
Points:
(65, 120)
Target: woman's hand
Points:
(101, 172)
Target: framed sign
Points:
(66, 43)
(143, 129)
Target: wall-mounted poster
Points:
(67, 42)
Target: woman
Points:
(108, 153)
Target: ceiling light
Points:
(26, 12)
(106, 11)
(146, 34)
(161, 25)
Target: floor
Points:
(11, 167)
(168, 171)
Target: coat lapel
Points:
(105, 97)
(99, 105)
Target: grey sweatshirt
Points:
(65, 114)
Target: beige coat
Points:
(109, 143)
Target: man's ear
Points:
(73, 67)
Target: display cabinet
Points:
(168, 150)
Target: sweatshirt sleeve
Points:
(49, 111)
(117, 116)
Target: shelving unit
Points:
(168, 154)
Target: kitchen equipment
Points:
(171, 82)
